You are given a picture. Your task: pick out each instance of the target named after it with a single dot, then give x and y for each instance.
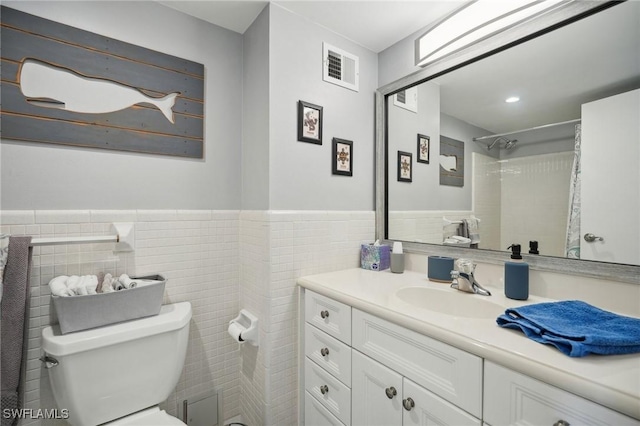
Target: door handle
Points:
(589, 237)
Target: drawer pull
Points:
(561, 423)
(391, 392)
(324, 351)
(408, 404)
(324, 389)
(324, 314)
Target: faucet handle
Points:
(455, 274)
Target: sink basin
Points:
(450, 302)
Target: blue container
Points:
(439, 268)
(516, 280)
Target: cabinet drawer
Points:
(448, 372)
(328, 390)
(329, 353)
(316, 415)
(512, 398)
(328, 315)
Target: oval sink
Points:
(454, 303)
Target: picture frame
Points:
(424, 149)
(405, 166)
(342, 157)
(309, 123)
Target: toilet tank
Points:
(110, 372)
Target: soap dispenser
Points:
(516, 275)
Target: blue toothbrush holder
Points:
(439, 269)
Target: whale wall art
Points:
(67, 86)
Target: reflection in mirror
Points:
(559, 163)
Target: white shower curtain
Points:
(573, 222)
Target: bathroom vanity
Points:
(398, 349)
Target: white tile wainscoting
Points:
(219, 261)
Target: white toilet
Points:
(119, 373)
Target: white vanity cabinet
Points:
(511, 398)
(362, 370)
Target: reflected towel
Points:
(576, 328)
(473, 227)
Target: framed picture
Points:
(342, 162)
(424, 145)
(309, 123)
(404, 166)
(451, 162)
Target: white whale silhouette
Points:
(50, 86)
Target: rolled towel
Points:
(127, 282)
(81, 289)
(58, 286)
(72, 284)
(107, 284)
(91, 284)
(100, 277)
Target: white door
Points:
(376, 393)
(610, 161)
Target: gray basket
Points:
(76, 313)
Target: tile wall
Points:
(197, 251)
(220, 261)
(276, 248)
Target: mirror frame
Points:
(553, 20)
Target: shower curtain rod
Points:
(526, 130)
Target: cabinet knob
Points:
(391, 392)
(324, 389)
(324, 314)
(408, 404)
(324, 351)
(561, 423)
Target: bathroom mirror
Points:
(515, 162)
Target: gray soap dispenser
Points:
(516, 275)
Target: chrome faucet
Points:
(465, 281)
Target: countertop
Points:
(612, 380)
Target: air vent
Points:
(407, 99)
(340, 67)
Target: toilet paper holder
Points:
(247, 325)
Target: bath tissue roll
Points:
(235, 330)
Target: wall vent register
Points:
(340, 67)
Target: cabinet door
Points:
(511, 398)
(372, 393)
(425, 408)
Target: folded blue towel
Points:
(576, 328)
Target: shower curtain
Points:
(573, 223)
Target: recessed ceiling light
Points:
(512, 99)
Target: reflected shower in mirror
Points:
(548, 146)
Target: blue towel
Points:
(576, 328)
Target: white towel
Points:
(58, 286)
(91, 284)
(72, 284)
(107, 284)
(126, 281)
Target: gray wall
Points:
(300, 173)
(255, 115)
(41, 176)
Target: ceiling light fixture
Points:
(474, 22)
(512, 99)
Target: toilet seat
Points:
(153, 416)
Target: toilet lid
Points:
(149, 417)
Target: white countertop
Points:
(612, 380)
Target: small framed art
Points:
(342, 158)
(424, 145)
(404, 166)
(309, 123)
